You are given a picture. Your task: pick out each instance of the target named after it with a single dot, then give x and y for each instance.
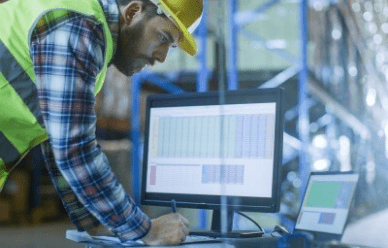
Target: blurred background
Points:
(330, 56)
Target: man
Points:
(53, 59)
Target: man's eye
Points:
(163, 39)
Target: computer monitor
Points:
(197, 150)
(326, 204)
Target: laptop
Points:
(326, 205)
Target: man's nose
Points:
(160, 54)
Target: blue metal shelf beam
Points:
(294, 112)
(162, 83)
(339, 111)
(282, 77)
(281, 52)
(266, 6)
(246, 17)
(304, 129)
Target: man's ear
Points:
(133, 12)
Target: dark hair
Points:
(150, 8)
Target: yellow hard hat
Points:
(187, 14)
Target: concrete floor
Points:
(48, 235)
(370, 231)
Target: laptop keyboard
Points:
(201, 239)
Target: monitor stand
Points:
(215, 230)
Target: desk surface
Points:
(263, 242)
(84, 238)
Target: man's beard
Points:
(127, 59)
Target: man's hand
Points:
(170, 229)
(100, 230)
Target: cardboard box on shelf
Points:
(17, 187)
(114, 103)
(48, 209)
(5, 210)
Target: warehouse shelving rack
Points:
(312, 90)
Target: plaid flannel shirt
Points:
(67, 54)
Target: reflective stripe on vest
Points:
(21, 123)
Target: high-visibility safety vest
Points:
(21, 122)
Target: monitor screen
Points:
(326, 203)
(197, 150)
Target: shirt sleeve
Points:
(67, 59)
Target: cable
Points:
(249, 218)
(18, 162)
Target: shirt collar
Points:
(111, 11)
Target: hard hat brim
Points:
(187, 42)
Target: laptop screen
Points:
(326, 202)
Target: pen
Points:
(173, 206)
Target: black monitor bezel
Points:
(325, 236)
(213, 201)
